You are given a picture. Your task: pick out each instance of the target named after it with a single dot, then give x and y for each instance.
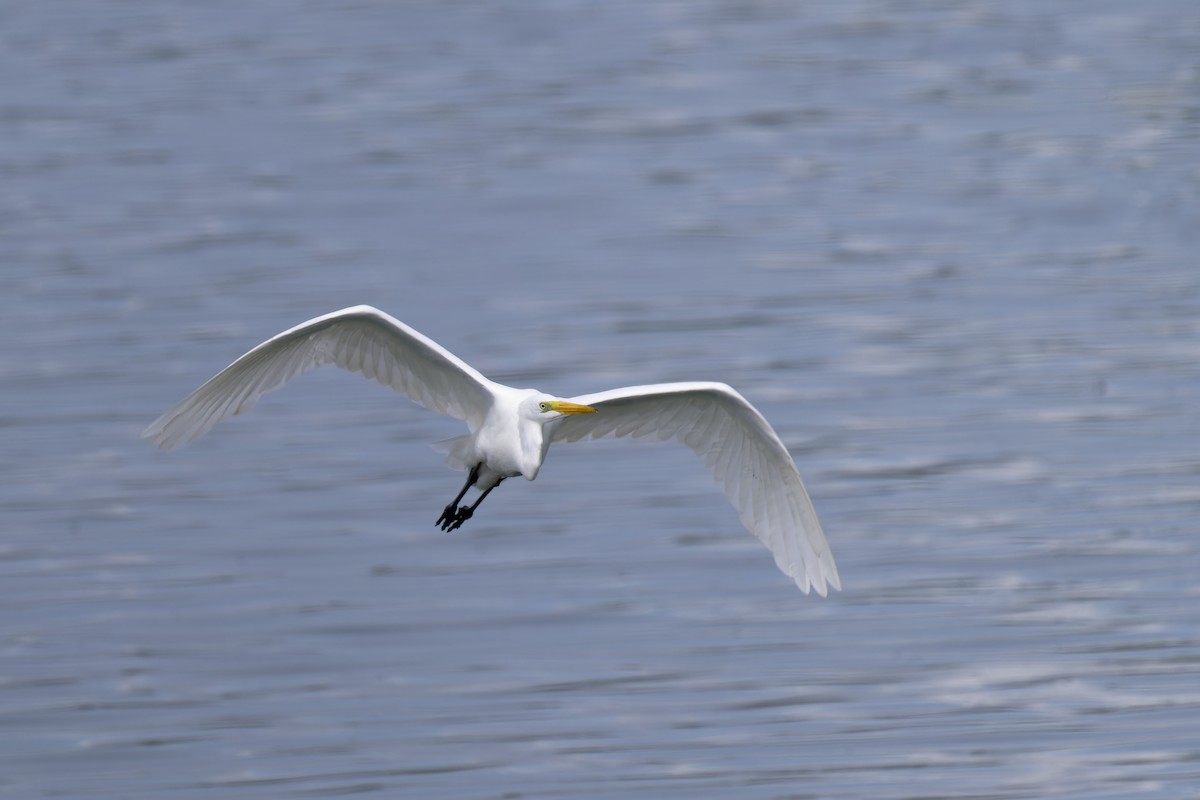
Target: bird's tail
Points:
(456, 449)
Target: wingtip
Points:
(155, 438)
(808, 586)
(820, 583)
(829, 571)
(156, 433)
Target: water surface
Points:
(948, 248)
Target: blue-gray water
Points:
(949, 248)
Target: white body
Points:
(510, 429)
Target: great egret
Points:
(511, 429)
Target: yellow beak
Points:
(563, 407)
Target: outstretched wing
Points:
(361, 339)
(741, 450)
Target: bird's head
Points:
(544, 408)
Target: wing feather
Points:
(742, 451)
(360, 339)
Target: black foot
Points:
(448, 514)
(462, 515)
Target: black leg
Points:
(464, 512)
(450, 511)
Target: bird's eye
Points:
(543, 406)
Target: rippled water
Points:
(947, 247)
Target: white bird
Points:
(511, 429)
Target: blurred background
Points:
(947, 247)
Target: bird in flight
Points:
(510, 429)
